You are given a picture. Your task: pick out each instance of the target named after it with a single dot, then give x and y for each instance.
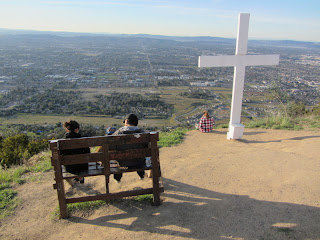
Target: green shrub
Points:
(316, 110)
(35, 147)
(13, 149)
(272, 122)
(144, 198)
(8, 202)
(7, 194)
(295, 109)
(168, 139)
(281, 122)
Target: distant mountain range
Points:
(286, 43)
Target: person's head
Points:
(205, 114)
(71, 126)
(131, 120)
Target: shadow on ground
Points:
(192, 212)
(280, 140)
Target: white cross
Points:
(239, 61)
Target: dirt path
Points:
(265, 186)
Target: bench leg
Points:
(63, 210)
(107, 184)
(156, 188)
(62, 200)
(60, 187)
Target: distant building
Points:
(203, 83)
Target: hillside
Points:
(261, 187)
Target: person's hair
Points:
(132, 119)
(206, 114)
(71, 125)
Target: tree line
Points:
(54, 101)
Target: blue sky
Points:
(272, 19)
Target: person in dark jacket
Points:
(130, 127)
(72, 131)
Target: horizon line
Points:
(179, 36)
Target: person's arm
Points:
(200, 124)
(116, 132)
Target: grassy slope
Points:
(18, 175)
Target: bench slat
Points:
(100, 171)
(89, 173)
(74, 143)
(81, 158)
(113, 195)
(130, 154)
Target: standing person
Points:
(130, 127)
(206, 122)
(72, 131)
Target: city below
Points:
(156, 77)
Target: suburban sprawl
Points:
(157, 77)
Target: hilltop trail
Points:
(265, 186)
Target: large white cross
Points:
(239, 61)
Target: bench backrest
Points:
(121, 147)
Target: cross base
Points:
(235, 131)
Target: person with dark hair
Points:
(72, 131)
(130, 127)
(206, 122)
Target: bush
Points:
(35, 147)
(14, 149)
(295, 109)
(316, 110)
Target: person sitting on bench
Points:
(130, 127)
(72, 131)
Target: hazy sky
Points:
(269, 19)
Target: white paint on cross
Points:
(239, 61)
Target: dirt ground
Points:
(265, 186)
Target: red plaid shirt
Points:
(206, 125)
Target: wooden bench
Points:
(149, 148)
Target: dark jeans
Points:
(131, 164)
(118, 176)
